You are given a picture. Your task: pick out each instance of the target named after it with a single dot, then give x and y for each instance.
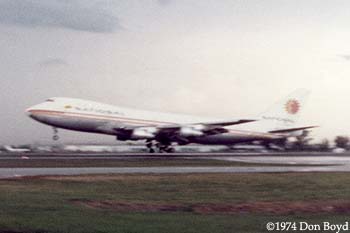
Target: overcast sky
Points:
(214, 58)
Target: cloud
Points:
(164, 2)
(53, 62)
(345, 56)
(73, 14)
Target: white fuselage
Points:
(89, 116)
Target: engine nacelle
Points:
(144, 133)
(195, 130)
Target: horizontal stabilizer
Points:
(292, 129)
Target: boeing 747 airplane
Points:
(162, 130)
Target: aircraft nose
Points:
(31, 110)
(28, 110)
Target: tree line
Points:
(303, 143)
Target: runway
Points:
(20, 172)
(270, 163)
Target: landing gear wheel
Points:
(55, 137)
(162, 148)
(155, 146)
(150, 146)
(169, 150)
(166, 149)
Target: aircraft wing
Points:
(228, 123)
(177, 130)
(207, 128)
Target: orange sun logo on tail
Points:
(292, 106)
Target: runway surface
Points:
(19, 172)
(284, 162)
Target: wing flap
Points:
(207, 124)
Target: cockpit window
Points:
(50, 100)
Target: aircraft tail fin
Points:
(285, 113)
(281, 115)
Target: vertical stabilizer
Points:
(281, 115)
(285, 113)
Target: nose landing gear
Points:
(55, 136)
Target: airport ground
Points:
(190, 201)
(171, 203)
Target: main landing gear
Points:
(154, 146)
(55, 136)
(150, 146)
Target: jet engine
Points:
(193, 130)
(144, 133)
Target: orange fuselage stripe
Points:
(95, 116)
(130, 120)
